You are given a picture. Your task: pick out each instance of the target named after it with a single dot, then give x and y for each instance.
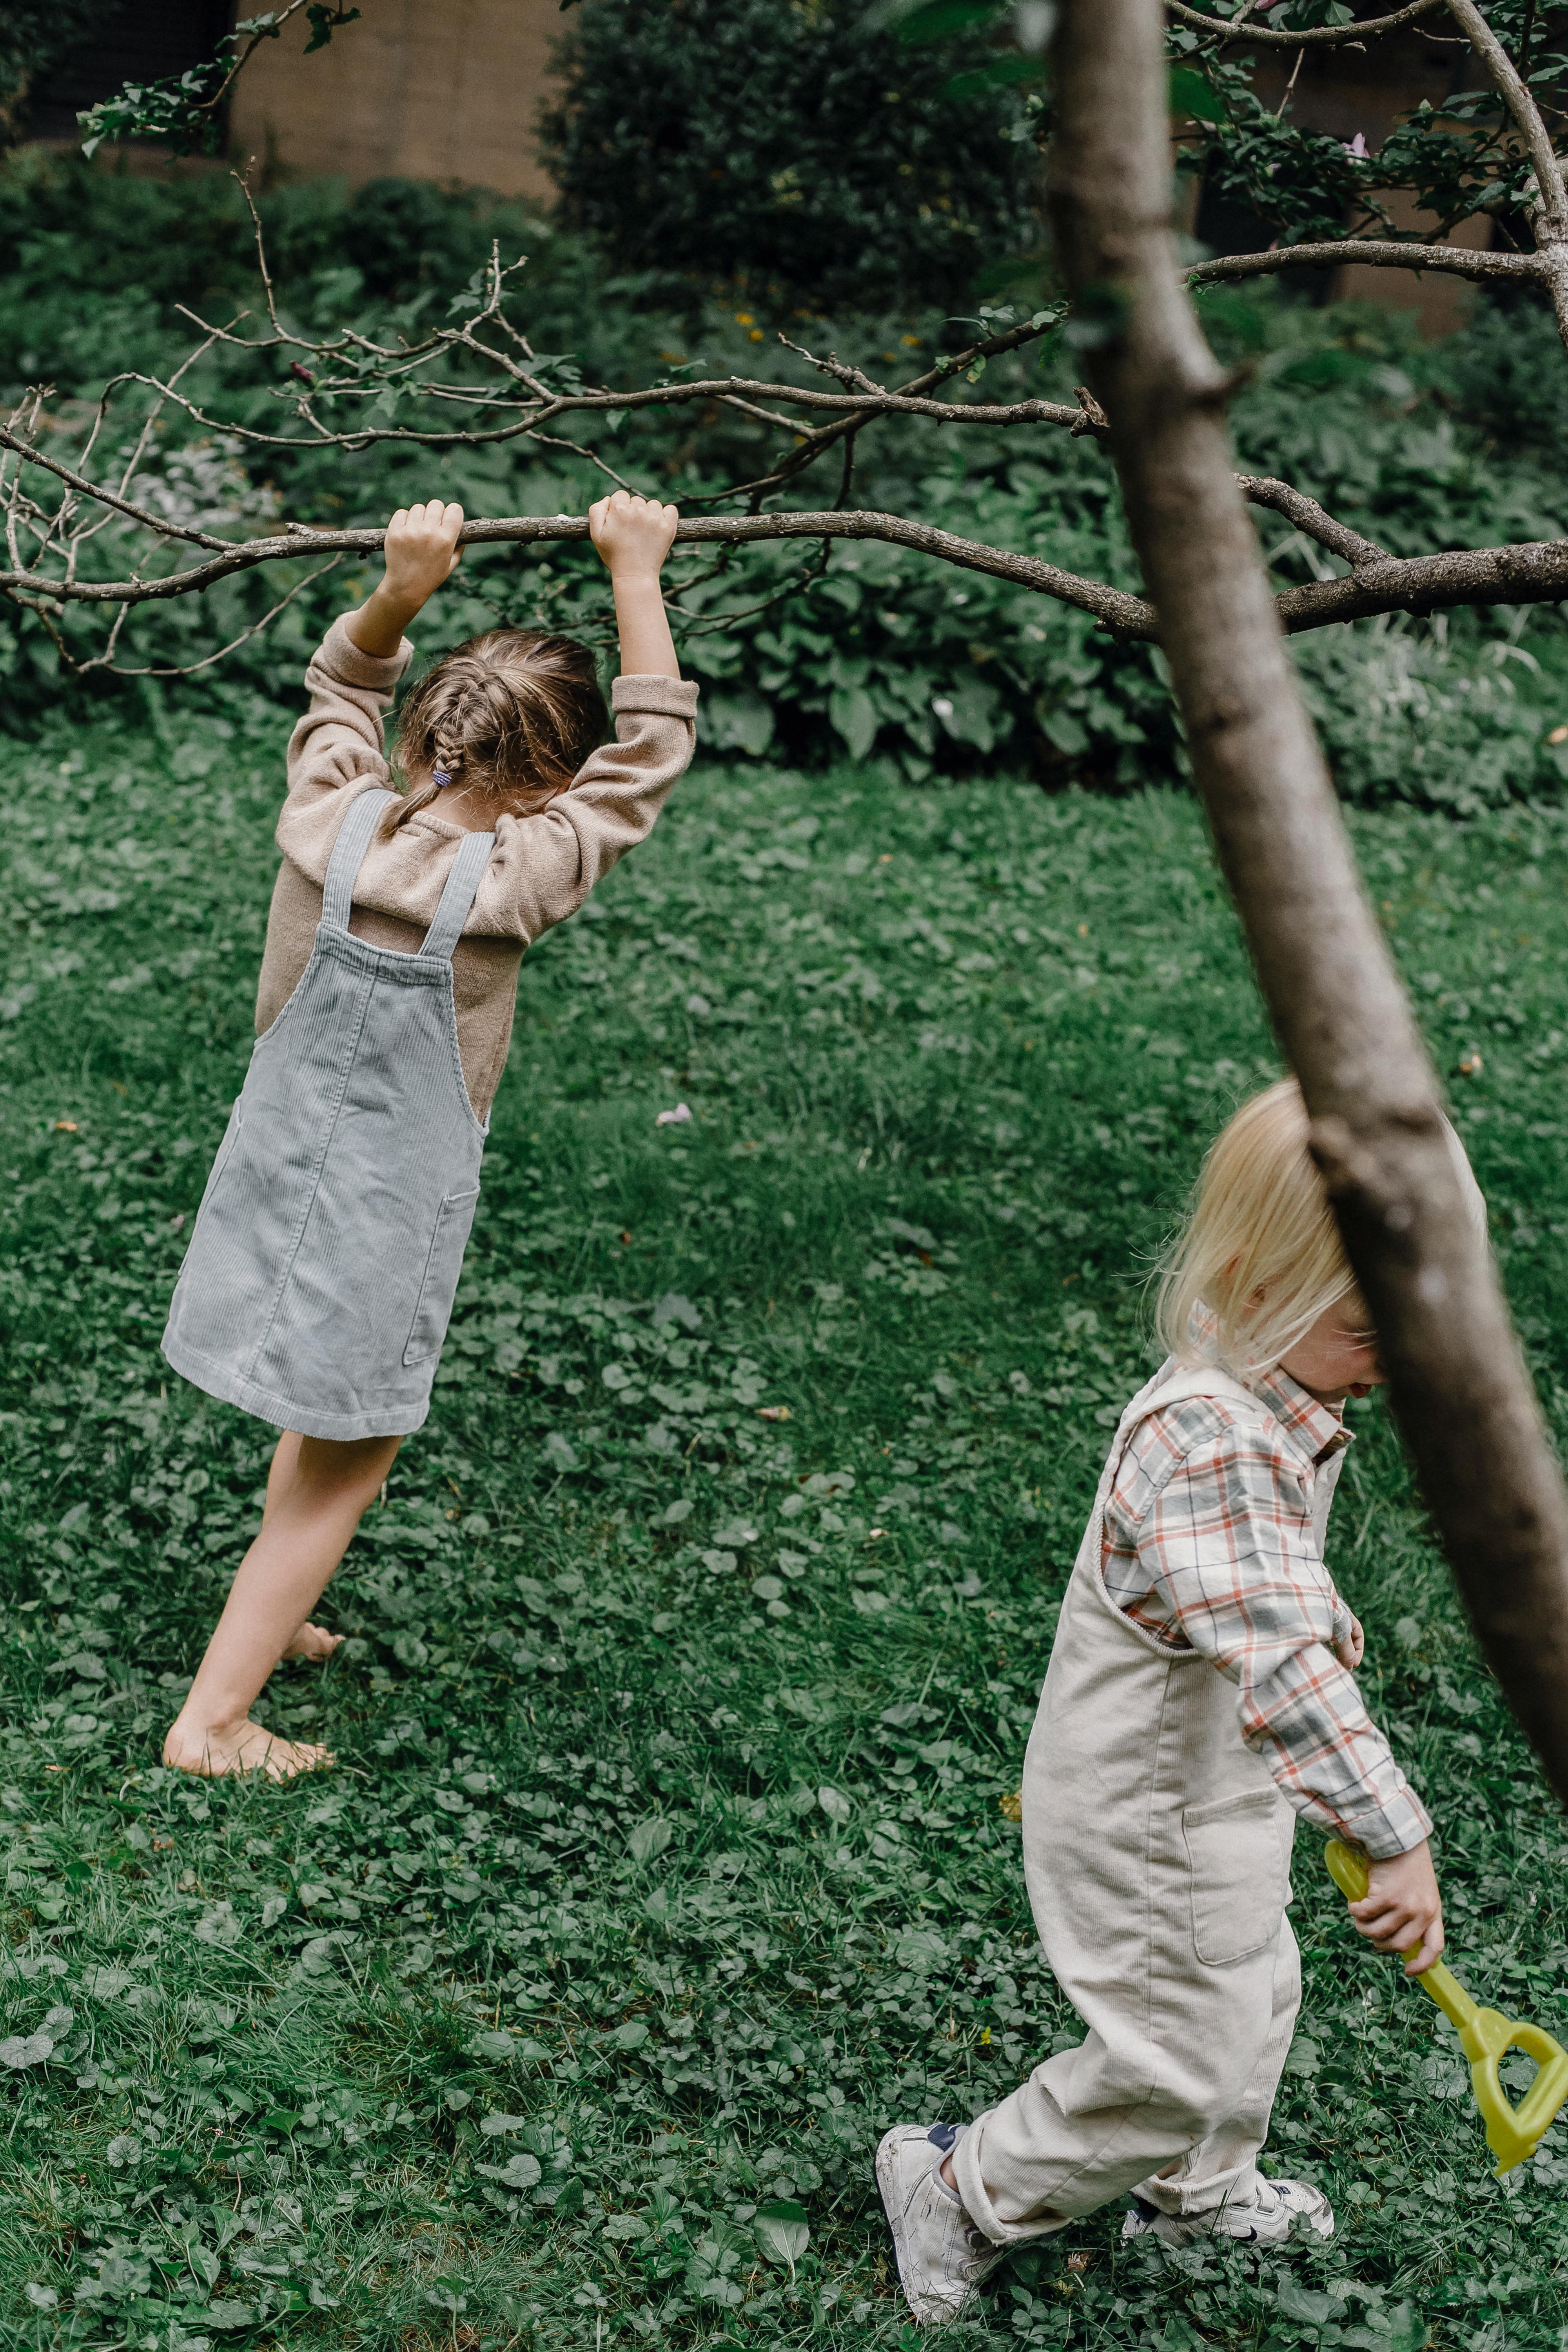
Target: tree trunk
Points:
(1460, 1393)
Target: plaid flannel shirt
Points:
(1209, 1543)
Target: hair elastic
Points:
(440, 778)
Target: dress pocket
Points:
(442, 1268)
(1237, 1862)
(224, 1151)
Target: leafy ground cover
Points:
(695, 1643)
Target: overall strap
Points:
(462, 886)
(353, 839)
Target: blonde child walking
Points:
(1199, 1697)
(325, 1255)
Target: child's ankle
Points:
(195, 1728)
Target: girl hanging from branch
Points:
(325, 1255)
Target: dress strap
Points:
(354, 835)
(462, 886)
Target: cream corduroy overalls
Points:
(1156, 1851)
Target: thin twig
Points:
(105, 660)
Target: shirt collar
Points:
(1314, 1429)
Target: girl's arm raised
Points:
(633, 536)
(354, 673)
(421, 551)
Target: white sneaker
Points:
(942, 2257)
(1269, 2211)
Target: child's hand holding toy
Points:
(1513, 2132)
(1401, 1910)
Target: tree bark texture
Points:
(1458, 1386)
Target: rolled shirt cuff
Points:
(664, 698)
(1390, 1828)
(342, 659)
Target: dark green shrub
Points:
(68, 225)
(783, 141)
(1507, 370)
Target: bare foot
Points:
(312, 1642)
(191, 1748)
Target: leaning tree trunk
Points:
(1458, 1386)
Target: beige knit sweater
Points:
(541, 870)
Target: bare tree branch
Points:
(1242, 27)
(1533, 572)
(1309, 516)
(1377, 252)
(485, 368)
(1127, 615)
(1458, 1386)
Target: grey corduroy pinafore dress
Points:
(325, 1255)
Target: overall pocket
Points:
(1236, 1863)
(224, 1151)
(442, 1268)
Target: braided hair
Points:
(513, 711)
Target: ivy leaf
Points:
(1300, 2303)
(648, 1839)
(26, 2049)
(521, 2171)
(323, 22)
(783, 2231)
(1191, 92)
(492, 2044)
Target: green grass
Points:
(666, 1863)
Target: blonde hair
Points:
(1261, 1257)
(515, 711)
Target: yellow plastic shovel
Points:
(1512, 2133)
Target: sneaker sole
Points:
(927, 2311)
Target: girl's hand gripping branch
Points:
(421, 551)
(633, 536)
(1402, 1907)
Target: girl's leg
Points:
(322, 1490)
(307, 1641)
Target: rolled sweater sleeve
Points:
(545, 865)
(1237, 1571)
